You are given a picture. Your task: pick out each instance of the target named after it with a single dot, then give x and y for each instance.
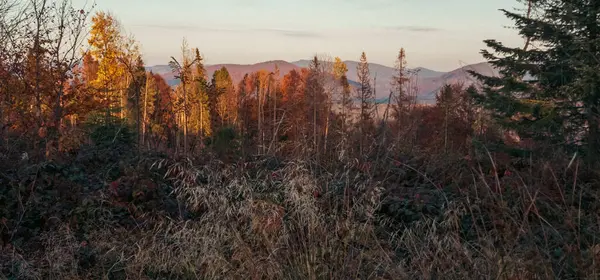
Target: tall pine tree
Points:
(366, 97)
(224, 92)
(200, 113)
(399, 81)
(551, 92)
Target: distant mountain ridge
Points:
(381, 70)
(237, 71)
(428, 87)
(429, 81)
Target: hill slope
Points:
(381, 70)
(429, 81)
(428, 87)
(237, 71)
(383, 74)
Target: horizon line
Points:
(460, 64)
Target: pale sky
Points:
(437, 34)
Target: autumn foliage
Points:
(108, 171)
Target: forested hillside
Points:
(114, 169)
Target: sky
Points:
(438, 34)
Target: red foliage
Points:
(449, 124)
(292, 86)
(164, 108)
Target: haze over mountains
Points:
(429, 81)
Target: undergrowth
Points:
(107, 212)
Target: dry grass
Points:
(249, 222)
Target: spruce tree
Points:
(367, 100)
(150, 95)
(399, 81)
(549, 90)
(365, 91)
(200, 91)
(222, 90)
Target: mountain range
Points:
(428, 81)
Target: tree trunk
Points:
(138, 112)
(123, 98)
(185, 140)
(594, 94)
(594, 129)
(274, 127)
(258, 96)
(145, 112)
(54, 131)
(314, 105)
(201, 119)
(38, 99)
(108, 103)
(327, 119)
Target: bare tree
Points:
(314, 93)
(59, 32)
(276, 74)
(329, 82)
(259, 99)
(12, 16)
(183, 73)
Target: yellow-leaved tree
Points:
(106, 48)
(340, 71)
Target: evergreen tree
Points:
(200, 112)
(550, 93)
(222, 92)
(134, 92)
(148, 102)
(365, 91)
(399, 81)
(244, 89)
(366, 98)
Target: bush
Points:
(111, 211)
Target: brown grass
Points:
(239, 223)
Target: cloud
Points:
(182, 27)
(414, 28)
(290, 33)
(281, 32)
(374, 5)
